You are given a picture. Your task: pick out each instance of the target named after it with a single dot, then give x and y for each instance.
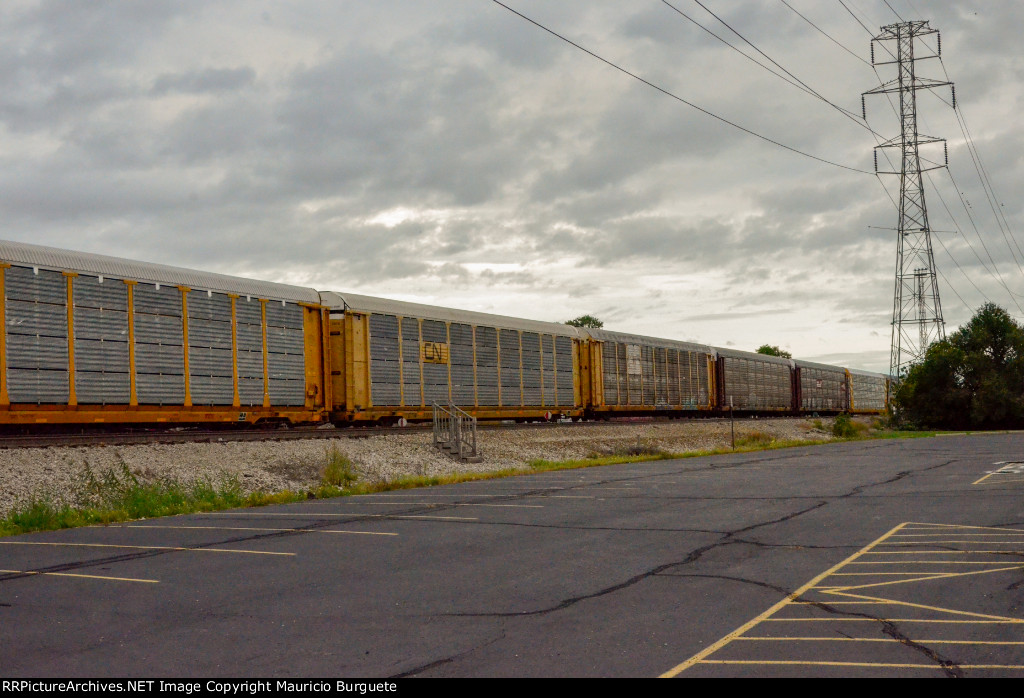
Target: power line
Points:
(675, 96)
(825, 34)
(792, 79)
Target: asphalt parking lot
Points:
(877, 558)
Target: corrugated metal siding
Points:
(541, 356)
(102, 367)
(823, 389)
(610, 373)
(435, 376)
(37, 336)
(385, 366)
(487, 365)
(286, 355)
(511, 368)
(159, 356)
(754, 384)
(565, 379)
(461, 357)
(211, 373)
(868, 392)
(531, 369)
(411, 361)
(658, 377)
(249, 336)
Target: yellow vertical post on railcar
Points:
(581, 390)
(5, 398)
(133, 387)
(339, 369)
(327, 354)
(448, 343)
(596, 350)
(184, 344)
(70, 299)
(314, 360)
(357, 355)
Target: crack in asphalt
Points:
(728, 538)
(693, 556)
(447, 660)
(949, 667)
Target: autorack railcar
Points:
(91, 339)
(820, 388)
(750, 382)
(869, 392)
(631, 374)
(395, 359)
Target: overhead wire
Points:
(677, 97)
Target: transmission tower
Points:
(916, 309)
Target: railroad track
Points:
(186, 435)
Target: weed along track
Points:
(60, 487)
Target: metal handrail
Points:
(454, 430)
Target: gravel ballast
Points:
(297, 465)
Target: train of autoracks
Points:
(92, 339)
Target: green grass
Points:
(117, 495)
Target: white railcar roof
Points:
(27, 255)
(872, 374)
(813, 364)
(612, 336)
(386, 306)
(737, 354)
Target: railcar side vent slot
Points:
(455, 433)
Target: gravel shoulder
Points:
(273, 466)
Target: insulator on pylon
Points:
(945, 147)
(938, 37)
(863, 109)
(952, 88)
(872, 53)
(876, 160)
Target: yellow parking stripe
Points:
(847, 593)
(143, 547)
(891, 620)
(878, 639)
(710, 649)
(980, 528)
(81, 576)
(779, 662)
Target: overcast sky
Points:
(450, 152)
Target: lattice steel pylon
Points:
(916, 311)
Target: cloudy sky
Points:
(450, 152)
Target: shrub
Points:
(844, 428)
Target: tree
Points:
(973, 378)
(772, 350)
(586, 321)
